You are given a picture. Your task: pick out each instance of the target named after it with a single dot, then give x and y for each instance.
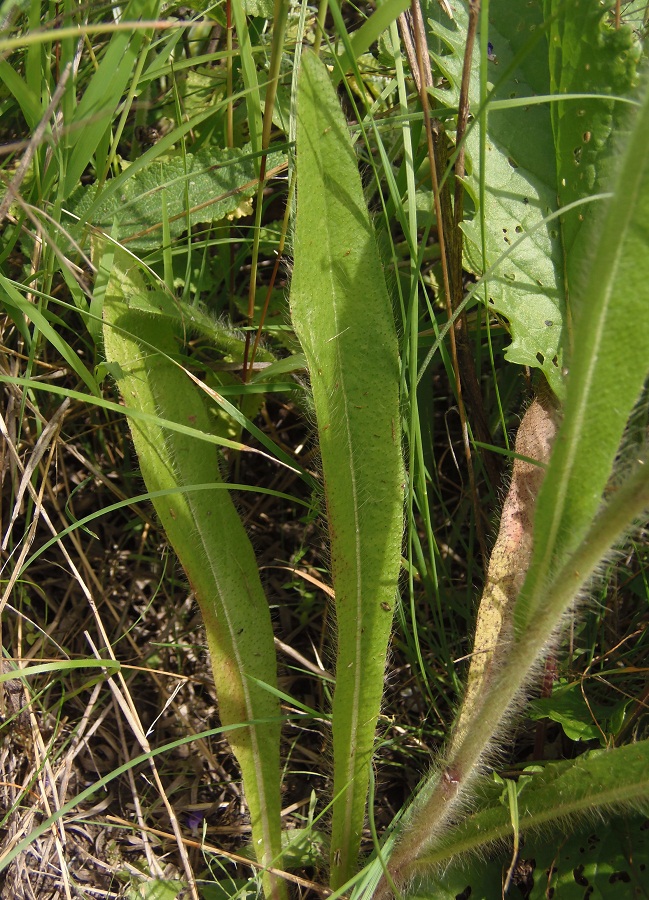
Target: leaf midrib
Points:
(353, 724)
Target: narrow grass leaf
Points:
(372, 28)
(13, 300)
(142, 498)
(111, 665)
(30, 105)
(343, 317)
(248, 72)
(210, 541)
(96, 109)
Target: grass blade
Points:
(96, 109)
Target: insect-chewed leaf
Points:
(526, 285)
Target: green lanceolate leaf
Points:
(343, 317)
(572, 535)
(607, 371)
(210, 541)
(604, 779)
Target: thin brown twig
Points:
(234, 857)
(125, 702)
(273, 277)
(447, 242)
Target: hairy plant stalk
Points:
(444, 794)
(510, 557)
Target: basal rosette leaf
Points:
(205, 186)
(577, 856)
(343, 317)
(209, 539)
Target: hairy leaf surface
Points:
(199, 187)
(210, 541)
(607, 371)
(343, 317)
(588, 55)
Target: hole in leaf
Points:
(541, 359)
(578, 872)
(620, 876)
(519, 229)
